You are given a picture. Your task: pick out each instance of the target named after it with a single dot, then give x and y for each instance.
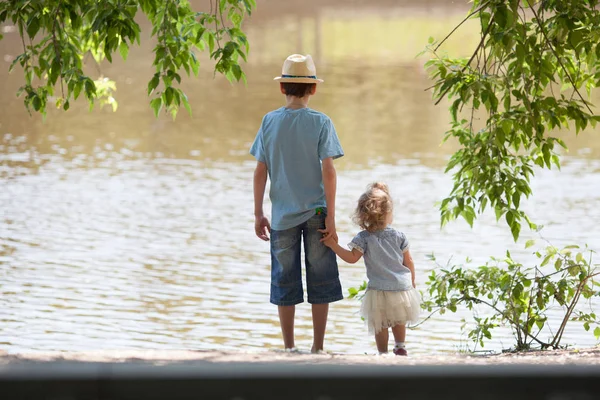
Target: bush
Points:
(520, 296)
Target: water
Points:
(126, 231)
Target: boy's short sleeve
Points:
(403, 242)
(258, 149)
(329, 144)
(359, 243)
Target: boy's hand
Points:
(329, 230)
(261, 227)
(328, 240)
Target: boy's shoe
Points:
(400, 351)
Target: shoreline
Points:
(586, 356)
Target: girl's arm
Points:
(350, 256)
(408, 263)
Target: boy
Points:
(295, 146)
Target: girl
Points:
(391, 299)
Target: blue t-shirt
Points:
(292, 143)
(383, 252)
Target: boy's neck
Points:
(295, 103)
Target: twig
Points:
(442, 95)
(223, 23)
(217, 23)
(462, 22)
(425, 320)
(559, 60)
(565, 320)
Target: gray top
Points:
(384, 256)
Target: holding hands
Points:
(330, 236)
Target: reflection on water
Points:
(125, 231)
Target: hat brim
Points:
(298, 80)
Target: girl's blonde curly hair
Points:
(373, 207)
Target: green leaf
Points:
(539, 323)
(529, 243)
(77, 89)
(37, 103)
(124, 50)
(597, 332)
(211, 42)
(33, 26)
(236, 19)
(186, 104)
(153, 83)
(194, 64)
(156, 105)
(516, 198)
(507, 126)
(237, 71)
(499, 213)
(520, 51)
(546, 260)
(89, 88)
(515, 229)
(168, 96)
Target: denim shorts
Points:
(322, 277)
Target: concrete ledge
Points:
(197, 379)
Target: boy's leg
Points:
(286, 320)
(322, 277)
(286, 278)
(319, 317)
(382, 338)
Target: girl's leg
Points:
(382, 339)
(286, 319)
(399, 332)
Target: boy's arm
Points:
(408, 263)
(330, 184)
(350, 256)
(261, 223)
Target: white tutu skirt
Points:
(383, 309)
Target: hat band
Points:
(299, 76)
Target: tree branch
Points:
(540, 23)
(425, 320)
(462, 22)
(514, 323)
(442, 95)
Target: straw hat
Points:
(299, 69)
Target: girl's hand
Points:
(261, 227)
(414, 284)
(328, 239)
(329, 230)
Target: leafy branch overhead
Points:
(531, 74)
(58, 36)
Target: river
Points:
(123, 231)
